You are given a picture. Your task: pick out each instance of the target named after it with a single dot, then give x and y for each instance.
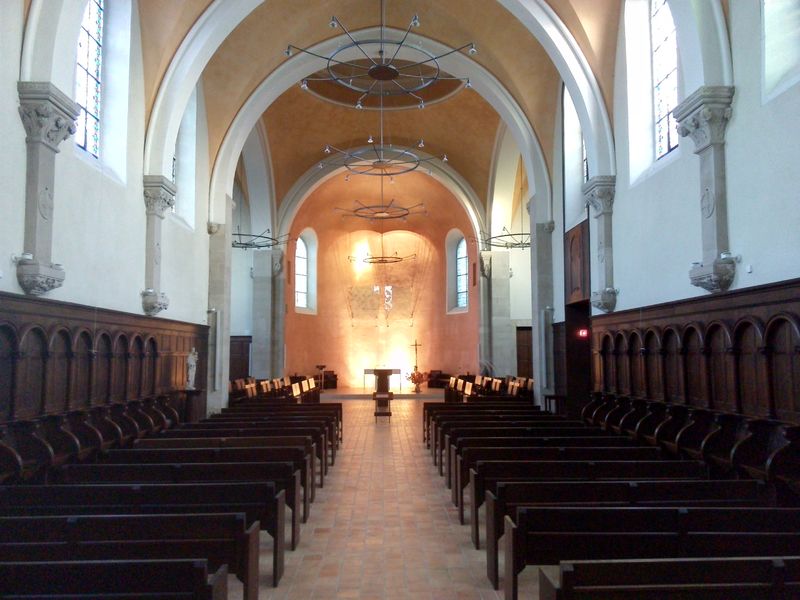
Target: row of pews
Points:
(625, 499)
(475, 388)
(171, 511)
(303, 390)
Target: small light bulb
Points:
(327, 149)
(288, 51)
(359, 106)
(370, 140)
(421, 143)
(472, 50)
(321, 165)
(333, 23)
(347, 177)
(444, 158)
(415, 21)
(304, 84)
(421, 104)
(468, 85)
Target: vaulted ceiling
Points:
(299, 125)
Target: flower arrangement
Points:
(417, 378)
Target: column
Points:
(703, 116)
(219, 300)
(159, 197)
(48, 116)
(503, 340)
(279, 310)
(599, 194)
(261, 355)
(485, 358)
(542, 307)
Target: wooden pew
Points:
(507, 497)
(765, 578)
(485, 475)
(458, 444)
(258, 408)
(547, 535)
(284, 474)
(221, 539)
(328, 419)
(124, 579)
(258, 500)
(429, 409)
(298, 456)
(513, 430)
(470, 456)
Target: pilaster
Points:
(261, 347)
(704, 116)
(219, 302)
(542, 307)
(159, 197)
(599, 194)
(48, 116)
(279, 310)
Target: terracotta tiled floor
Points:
(383, 526)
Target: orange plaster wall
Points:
(349, 334)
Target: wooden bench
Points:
(432, 408)
(298, 456)
(258, 500)
(124, 579)
(284, 474)
(485, 475)
(258, 408)
(547, 535)
(765, 578)
(507, 497)
(317, 435)
(222, 539)
(327, 421)
(470, 456)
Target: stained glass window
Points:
(462, 275)
(301, 274)
(665, 76)
(88, 77)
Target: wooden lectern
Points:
(382, 395)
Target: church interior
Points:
(562, 235)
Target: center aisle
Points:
(383, 527)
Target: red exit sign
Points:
(583, 333)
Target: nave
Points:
(383, 527)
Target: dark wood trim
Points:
(738, 351)
(137, 355)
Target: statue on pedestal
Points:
(191, 368)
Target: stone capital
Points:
(37, 278)
(548, 226)
(486, 263)
(704, 115)
(605, 300)
(599, 194)
(153, 302)
(159, 195)
(47, 113)
(714, 278)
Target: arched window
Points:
(664, 56)
(88, 82)
(781, 45)
(462, 274)
(305, 273)
(301, 274)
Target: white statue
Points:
(191, 368)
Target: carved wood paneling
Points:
(55, 356)
(560, 358)
(738, 351)
(576, 262)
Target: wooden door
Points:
(524, 352)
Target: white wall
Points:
(241, 292)
(763, 149)
(12, 150)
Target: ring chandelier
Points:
(383, 211)
(383, 66)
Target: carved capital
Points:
(704, 115)
(486, 264)
(159, 195)
(153, 302)
(599, 194)
(37, 278)
(48, 114)
(277, 262)
(716, 277)
(605, 300)
(212, 227)
(549, 226)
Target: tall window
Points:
(88, 77)
(665, 76)
(462, 274)
(301, 274)
(584, 160)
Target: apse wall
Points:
(352, 329)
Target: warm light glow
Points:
(583, 333)
(360, 252)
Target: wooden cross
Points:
(415, 346)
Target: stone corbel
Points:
(486, 264)
(599, 194)
(159, 197)
(703, 116)
(48, 116)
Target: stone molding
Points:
(599, 194)
(37, 279)
(153, 302)
(47, 113)
(605, 300)
(159, 195)
(704, 116)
